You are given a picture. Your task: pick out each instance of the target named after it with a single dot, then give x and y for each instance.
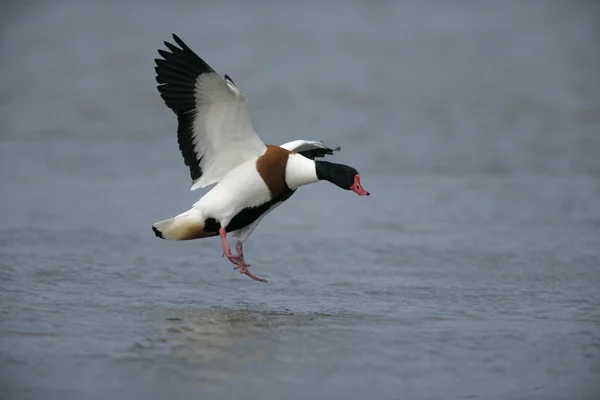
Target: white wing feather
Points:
(309, 148)
(303, 145)
(214, 132)
(223, 131)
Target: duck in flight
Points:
(218, 144)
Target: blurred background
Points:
(471, 272)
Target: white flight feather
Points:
(223, 133)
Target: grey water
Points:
(471, 272)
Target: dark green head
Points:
(340, 175)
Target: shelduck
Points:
(219, 145)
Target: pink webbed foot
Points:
(244, 270)
(238, 260)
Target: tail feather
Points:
(186, 226)
(157, 232)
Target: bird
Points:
(219, 145)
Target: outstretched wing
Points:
(214, 131)
(309, 148)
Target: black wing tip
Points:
(176, 75)
(178, 40)
(319, 152)
(329, 150)
(182, 47)
(164, 54)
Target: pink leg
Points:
(226, 250)
(240, 252)
(239, 260)
(240, 255)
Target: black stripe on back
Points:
(176, 75)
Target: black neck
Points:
(323, 169)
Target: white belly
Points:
(242, 187)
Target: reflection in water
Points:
(213, 346)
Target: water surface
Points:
(471, 272)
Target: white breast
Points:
(242, 187)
